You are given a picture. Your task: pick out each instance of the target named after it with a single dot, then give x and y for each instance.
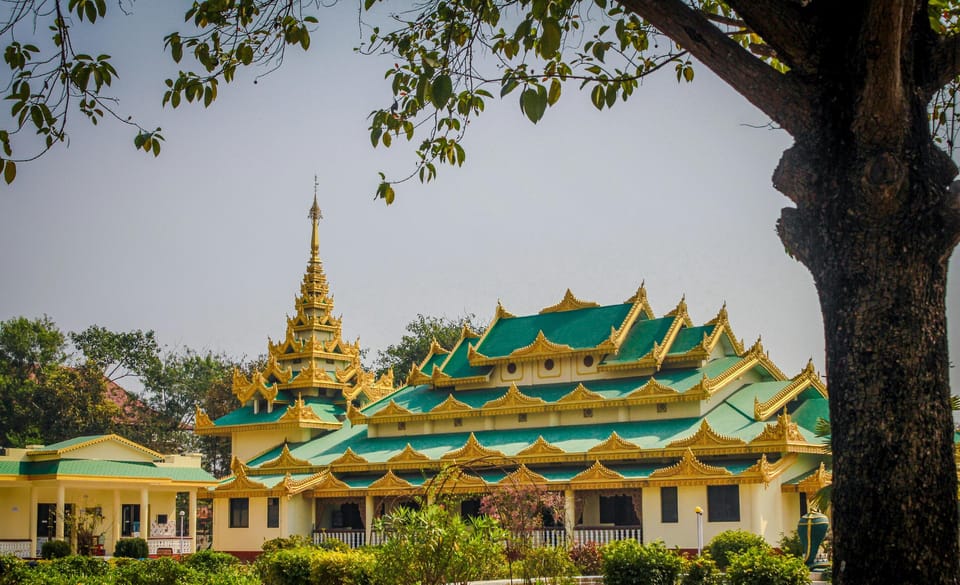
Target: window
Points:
(548, 365)
(661, 407)
(161, 519)
(129, 519)
(458, 422)
(522, 417)
(618, 510)
(668, 505)
(588, 361)
(401, 426)
(47, 520)
(239, 512)
(273, 512)
(511, 368)
(470, 508)
(723, 503)
(803, 504)
(587, 413)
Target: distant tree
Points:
(118, 355)
(30, 352)
(421, 332)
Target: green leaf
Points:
(598, 96)
(549, 39)
(533, 103)
(554, 94)
(9, 171)
(441, 90)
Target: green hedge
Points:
(315, 566)
(627, 562)
(731, 542)
(132, 548)
(55, 549)
(761, 566)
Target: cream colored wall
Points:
(14, 513)
(682, 533)
(298, 515)
(247, 445)
(242, 539)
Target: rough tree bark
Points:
(875, 222)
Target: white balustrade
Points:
(352, 538)
(173, 544)
(17, 548)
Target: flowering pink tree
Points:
(520, 510)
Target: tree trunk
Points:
(876, 244)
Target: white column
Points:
(34, 520)
(569, 512)
(369, 509)
(192, 511)
(283, 511)
(144, 513)
(61, 520)
(117, 518)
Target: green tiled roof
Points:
(640, 339)
(434, 361)
(688, 338)
(104, 468)
(580, 329)
(72, 442)
(456, 365)
(245, 416)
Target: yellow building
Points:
(635, 419)
(133, 488)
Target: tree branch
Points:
(778, 95)
(943, 65)
(784, 25)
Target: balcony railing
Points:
(171, 544)
(17, 548)
(545, 537)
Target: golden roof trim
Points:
(349, 458)
(820, 479)
(408, 455)
(690, 467)
(514, 398)
(706, 437)
(299, 412)
(285, 460)
(240, 480)
(653, 388)
(614, 443)
(472, 449)
(390, 482)
(201, 419)
(783, 431)
(569, 302)
(805, 379)
(391, 409)
(597, 472)
(522, 476)
(580, 394)
(96, 441)
(450, 405)
(767, 471)
(540, 447)
(540, 347)
(330, 483)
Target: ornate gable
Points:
(568, 303)
(596, 473)
(409, 455)
(706, 437)
(580, 394)
(472, 449)
(614, 444)
(540, 447)
(514, 398)
(690, 467)
(285, 460)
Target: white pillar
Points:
(34, 521)
(144, 513)
(283, 511)
(117, 518)
(192, 510)
(61, 519)
(569, 512)
(369, 509)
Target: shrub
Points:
(163, 571)
(790, 544)
(12, 570)
(133, 548)
(286, 566)
(333, 544)
(434, 546)
(701, 570)
(551, 563)
(627, 562)
(55, 549)
(293, 541)
(758, 566)
(211, 561)
(329, 567)
(726, 544)
(80, 566)
(587, 558)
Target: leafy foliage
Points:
(13, 570)
(586, 557)
(627, 562)
(701, 570)
(211, 561)
(55, 549)
(549, 564)
(421, 332)
(760, 566)
(730, 542)
(134, 548)
(434, 545)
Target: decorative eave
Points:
(522, 476)
(202, 421)
(451, 406)
(513, 398)
(597, 476)
(569, 303)
(805, 379)
(640, 308)
(764, 472)
(96, 441)
(245, 389)
(301, 415)
(542, 450)
(614, 447)
(580, 394)
(328, 486)
(392, 409)
(409, 455)
(654, 358)
(706, 438)
(640, 298)
(654, 391)
(294, 487)
(301, 322)
(390, 484)
(416, 377)
(349, 458)
(819, 479)
(784, 434)
(285, 461)
(239, 483)
(690, 471)
(282, 375)
(472, 450)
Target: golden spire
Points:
(316, 216)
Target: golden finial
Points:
(315, 216)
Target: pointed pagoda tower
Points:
(311, 378)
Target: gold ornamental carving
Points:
(450, 405)
(349, 458)
(540, 447)
(580, 394)
(690, 467)
(614, 444)
(568, 303)
(471, 450)
(514, 398)
(597, 472)
(285, 460)
(409, 455)
(540, 347)
(523, 476)
(706, 437)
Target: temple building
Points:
(636, 419)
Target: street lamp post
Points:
(182, 514)
(699, 512)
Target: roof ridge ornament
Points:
(569, 302)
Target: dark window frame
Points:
(273, 512)
(669, 505)
(723, 503)
(239, 512)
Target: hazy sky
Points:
(206, 245)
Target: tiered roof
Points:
(310, 375)
(643, 401)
